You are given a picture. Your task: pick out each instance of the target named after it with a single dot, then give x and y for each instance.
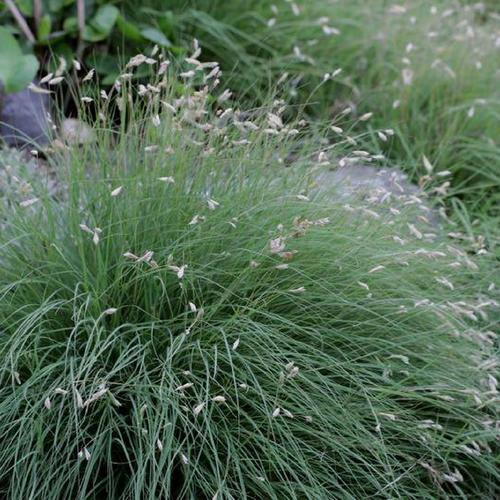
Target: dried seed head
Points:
(183, 387)
(376, 269)
(78, 398)
(363, 285)
(427, 164)
(277, 245)
(56, 81)
(179, 270)
(389, 416)
(198, 409)
(117, 191)
(156, 120)
(46, 78)
(88, 76)
(96, 396)
(212, 204)
(28, 203)
(401, 357)
(168, 180)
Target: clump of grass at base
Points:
(193, 319)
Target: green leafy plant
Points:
(98, 33)
(17, 70)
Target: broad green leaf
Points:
(128, 29)
(70, 25)
(105, 19)
(105, 63)
(25, 6)
(167, 22)
(90, 34)
(57, 5)
(44, 27)
(156, 36)
(10, 47)
(111, 78)
(16, 69)
(22, 73)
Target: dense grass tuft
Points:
(189, 318)
(446, 107)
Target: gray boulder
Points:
(376, 188)
(24, 118)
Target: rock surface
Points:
(364, 181)
(75, 132)
(24, 118)
(380, 188)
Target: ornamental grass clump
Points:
(193, 317)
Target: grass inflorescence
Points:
(426, 69)
(192, 316)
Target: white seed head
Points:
(28, 203)
(156, 120)
(198, 409)
(46, 78)
(168, 179)
(88, 76)
(117, 191)
(212, 204)
(56, 81)
(277, 245)
(376, 269)
(183, 387)
(427, 164)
